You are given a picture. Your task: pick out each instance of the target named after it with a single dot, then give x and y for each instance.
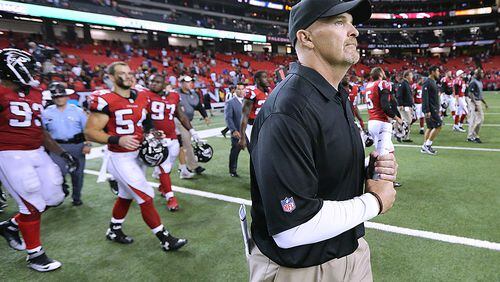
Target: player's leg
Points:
(165, 181)
(184, 172)
(127, 170)
(464, 112)
(120, 209)
(51, 179)
(18, 173)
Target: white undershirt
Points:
(334, 218)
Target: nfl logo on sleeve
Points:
(288, 205)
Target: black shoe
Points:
(169, 242)
(234, 174)
(40, 262)
(113, 185)
(477, 140)
(398, 139)
(421, 132)
(116, 234)
(199, 170)
(223, 132)
(408, 141)
(10, 232)
(65, 189)
(77, 203)
(471, 140)
(397, 184)
(3, 205)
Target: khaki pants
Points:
(354, 267)
(475, 118)
(191, 160)
(407, 116)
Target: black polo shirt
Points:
(305, 149)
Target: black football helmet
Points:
(153, 151)
(203, 151)
(18, 66)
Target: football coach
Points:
(310, 189)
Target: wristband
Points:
(113, 140)
(379, 201)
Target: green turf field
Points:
(455, 193)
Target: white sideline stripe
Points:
(451, 148)
(373, 225)
(491, 125)
(492, 113)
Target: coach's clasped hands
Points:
(387, 167)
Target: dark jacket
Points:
(232, 114)
(404, 95)
(430, 97)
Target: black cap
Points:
(306, 12)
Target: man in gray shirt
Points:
(190, 101)
(474, 100)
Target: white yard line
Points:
(492, 125)
(373, 225)
(451, 148)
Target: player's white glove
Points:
(194, 135)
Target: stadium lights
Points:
(134, 30)
(29, 19)
(79, 25)
(204, 38)
(102, 27)
(180, 35)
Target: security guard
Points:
(65, 123)
(309, 198)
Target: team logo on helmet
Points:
(153, 151)
(203, 152)
(18, 66)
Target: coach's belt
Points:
(77, 139)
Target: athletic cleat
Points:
(40, 262)
(3, 206)
(115, 234)
(172, 204)
(11, 234)
(113, 186)
(186, 175)
(421, 132)
(169, 242)
(428, 150)
(199, 170)
(397, 184)
(458, 128)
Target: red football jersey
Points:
(417, 93)
(20, 119)
(162, 110)
(258, 97)
(373, 89)
(461, 87)
(353, 94)
(125, 115)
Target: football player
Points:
(382, 107)
(459, 87)
(164, 108)
(28, 173)
(255, 97)
(417, 98)
(447, 98)
(116, 119)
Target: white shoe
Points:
(186, 175)
(41, 263)
(458, 128)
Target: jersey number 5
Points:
(23, 110)
(369, 102)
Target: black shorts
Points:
(434, 121)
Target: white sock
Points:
(13, 221)
(459, 124)
(169, 195)
(428, 143)
(35, 250)
(421, 128)
(157, 229)
(119, 221)
(183, 168)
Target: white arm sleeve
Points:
(334, 218)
